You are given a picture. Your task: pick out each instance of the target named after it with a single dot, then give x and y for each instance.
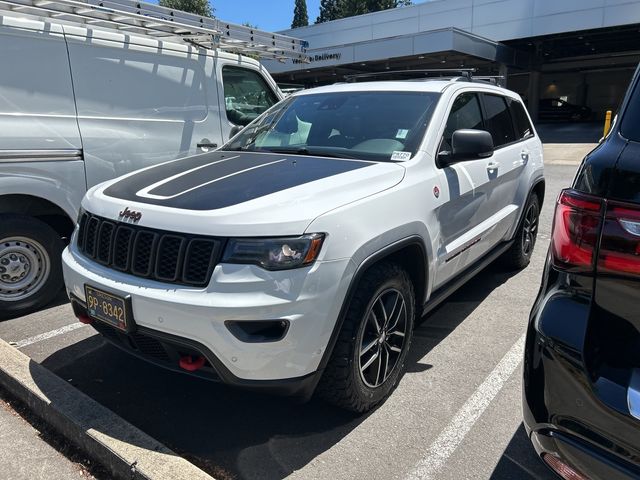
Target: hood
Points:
(240, 193)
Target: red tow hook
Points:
(191, 364)
(85, 319)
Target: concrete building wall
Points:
(494, 19)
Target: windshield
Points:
(379, 126)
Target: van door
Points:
(245, 93)
(37, 110)
(140, 102)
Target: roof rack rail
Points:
(133, 17)
(464, 74)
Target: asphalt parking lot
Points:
(455, 415)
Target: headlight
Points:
(274, 253)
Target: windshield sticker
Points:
(402, 133)
(400, 156)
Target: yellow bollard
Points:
(607, 123)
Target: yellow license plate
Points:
(107, 308)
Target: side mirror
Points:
(236, 129)
(468, 144)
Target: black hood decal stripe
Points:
(222, 179)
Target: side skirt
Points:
(443, 292)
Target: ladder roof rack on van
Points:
(163, 23)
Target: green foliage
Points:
(300, 16)
(199, 7)
(329, 10)
(335, 9)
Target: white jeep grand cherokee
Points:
(298, 257)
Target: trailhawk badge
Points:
(132, 215)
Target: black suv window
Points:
(246, 95)
(498, 120)
(465, 113)
(523, 126)
(630, 126)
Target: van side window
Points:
(498, 120)
(246, 94)
(519, 115)
(465, 113)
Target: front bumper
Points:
(308, 299)
(567, 412)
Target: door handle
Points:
(491, 166)
(205, 147)
(524, 156)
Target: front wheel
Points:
(30, 264)
(368, 359)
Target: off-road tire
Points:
(341, 383)
(518, 256)
(21, 226)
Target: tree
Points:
(300, 16)
(334, 9)
(199, 7)
(329, 10)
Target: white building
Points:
(583, 51)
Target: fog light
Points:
(561, 468)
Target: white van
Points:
(84, 100)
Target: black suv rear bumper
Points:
(567, 412)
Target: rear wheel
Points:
(368, 359)
(519, 255)
(30, 264)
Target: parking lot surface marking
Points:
(47, 335)
(453, 434)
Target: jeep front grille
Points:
(167, 257)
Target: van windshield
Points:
(378, 126)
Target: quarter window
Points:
(523, 126)
(498, 120)
(465, 113)
(246, 95)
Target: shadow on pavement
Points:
(520, 461)
(233, 433)
(570, 132)
(60, 299)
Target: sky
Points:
(270, 15)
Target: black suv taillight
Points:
(620, 245)
(576, 227)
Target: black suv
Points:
(582, 357)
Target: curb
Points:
(124, 450)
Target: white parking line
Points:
(47, 335)
(453, 434)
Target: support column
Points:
(534, 94)
(503, 71)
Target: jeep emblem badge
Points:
(130, 215)
(436, 191)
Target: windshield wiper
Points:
(309, 151)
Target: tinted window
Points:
(366, 125)
(523, 126)
(465, 113)
(246, 95)
(498, 120)
(630, 126)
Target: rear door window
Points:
(246, 94)
(520, 118)
(498, 120)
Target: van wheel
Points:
(30, 264)
(519, 254)
(368, 359)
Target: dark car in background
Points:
(556, 109)
(581, 390)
